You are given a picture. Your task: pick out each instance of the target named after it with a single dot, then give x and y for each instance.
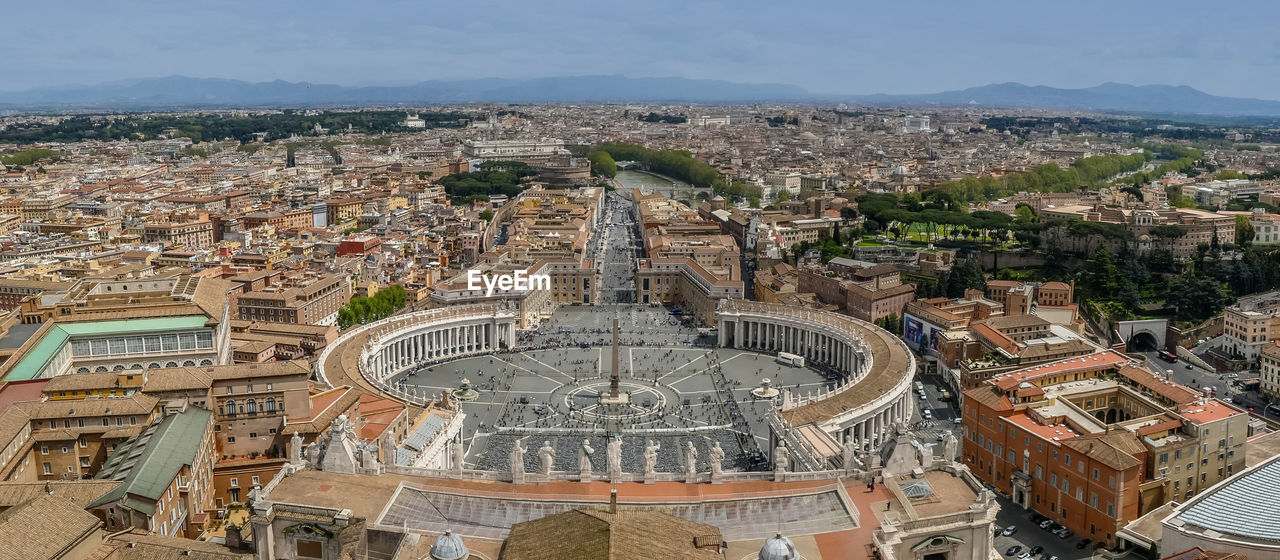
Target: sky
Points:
(851, 47)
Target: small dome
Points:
(778, 547)
(449, 547)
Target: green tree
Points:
(1244, 231)
(1023, 214)
(754, 201)
(966, 274)
(891, 322)
(486, 215)
(602, 164)
(783, 196)
(1101, 278)
(1197, 297)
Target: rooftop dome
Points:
(449, 547)
(778, 547)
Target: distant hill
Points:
(182, 91)
(1106, 97)
(185, 91)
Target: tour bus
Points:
(1168, 356)
(790, 359)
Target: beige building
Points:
(196, 234)
(1199, 226)
(309, 300)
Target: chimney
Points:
(613, 500)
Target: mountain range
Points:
(187, 92)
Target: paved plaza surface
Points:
(682, 390)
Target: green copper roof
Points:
(57, 336)
(147, 464)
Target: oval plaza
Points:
(856, 388)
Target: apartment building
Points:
(1248, 324)
(71, 438)
(683, 283)
(166, 475)
(1094, 442)
(1269, 381)
(1019, 297)
(196, 234)
(865, 292)
(251, 403)
(307, 300)
(14, 290)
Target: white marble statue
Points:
(458, 454)
(848, 452)
(613, 452)
(651, 457)
(547, 457)
(516, 459)
(313, 454)
(951, 447)
(690, 459)
(716, 458)
(780, 460)
(584, 456)
(295, 449)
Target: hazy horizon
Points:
(823, 47)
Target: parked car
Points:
(1083, 543)
(1045, 524)
(1024, 556)
(1013, 550)
(1037, 549)
(957, 421)
(1009, 530)
(1066, 534)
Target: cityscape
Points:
(713, 303)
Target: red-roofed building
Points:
(1095, 442)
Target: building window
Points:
(231, 408)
